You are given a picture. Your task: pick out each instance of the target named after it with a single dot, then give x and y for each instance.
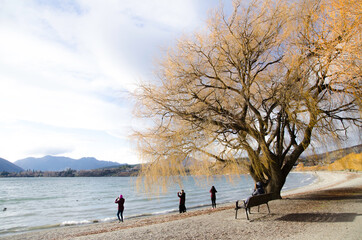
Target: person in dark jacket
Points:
(258, 190)
(120, 200)
(213, 196)
(182, 196)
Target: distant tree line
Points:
(122, 171)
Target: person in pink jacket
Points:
(213, 196)
(120, 200)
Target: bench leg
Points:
(268, 207)
(236, 209)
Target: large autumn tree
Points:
(253, 90)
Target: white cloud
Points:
(66, 68)
(50, 150)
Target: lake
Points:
(40, 203)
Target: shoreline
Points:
(163, 226)
(226, 197)
(325, 179)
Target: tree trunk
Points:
(275, 186)
(274, 179)
(277, 175)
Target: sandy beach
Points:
(331, 208)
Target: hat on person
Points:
(121, 196)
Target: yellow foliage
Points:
(352, 161)
(263, 82)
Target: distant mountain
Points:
(54, 163)
(6, 166)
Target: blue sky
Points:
(67, 68)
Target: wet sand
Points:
(331, 208)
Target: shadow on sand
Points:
(319, 217)
(336, 194)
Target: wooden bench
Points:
(254, 201)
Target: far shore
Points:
(331, 208)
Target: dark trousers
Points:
(213, 202)
(120, 212)
(182, 208)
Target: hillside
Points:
(6, 166)
(350, 162)
(329, 157)
(54, 163)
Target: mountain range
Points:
(54, 163)
(57, 163)
(6, 166)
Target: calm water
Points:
(39, 203)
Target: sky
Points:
(67, 68)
